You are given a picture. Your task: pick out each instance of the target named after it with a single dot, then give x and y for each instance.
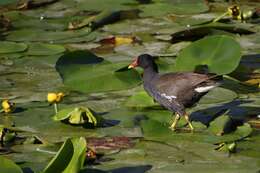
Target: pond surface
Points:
(82, 48)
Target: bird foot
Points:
(184, 129)
(172, 128)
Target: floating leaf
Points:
(9, 166)
(173, 6)
(140, 99)
(198, 32)
(227, 147)
(104, 4)
(44, 49)
(244, 131)
(36, 35)
(61, 159)
(219, 95)
(70, 157)
(8, 2)
(221, 54)
(219, 124)
(79, 115)
(86, 74)
(12, 47)
(79, 155)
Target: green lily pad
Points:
(78, 115)
(218, 95)
(227, 147)
(61, 159)
(104, 4)
(244, 131)
(79, 155)
(140, 99)
(36, 35)
(70, 157)
(90, 76)
(198, 32)
(219, 124)
(221, 54)
(8, 2)
(44, 49)
(176, 7)
(12, 47)
(9, 166)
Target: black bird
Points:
(174, 91)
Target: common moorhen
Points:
(174, 91)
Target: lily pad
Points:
(104, 4)
(9, 166)
(36, 35)
(8, 2)
(12, 47)
(79, 115)
(140, 99)
(176, 7)
(218, 95)
(90, 76)
(70, 157)
(213, 51)
(44, 49)
(219, 124)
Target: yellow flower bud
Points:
(51, 97)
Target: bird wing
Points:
(175, 84)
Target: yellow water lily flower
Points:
(51, 97)
(55, 97)
(8, 106)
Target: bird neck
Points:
(150, 72)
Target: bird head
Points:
(144, 61)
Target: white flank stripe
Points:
(204, 89)
(168, 97)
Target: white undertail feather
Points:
(205, 88)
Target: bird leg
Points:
(186, 116)
(177, 118)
